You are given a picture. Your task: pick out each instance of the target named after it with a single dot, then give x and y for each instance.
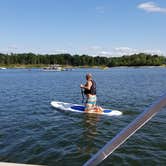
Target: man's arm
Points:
(87, 85)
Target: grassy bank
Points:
(23, 66)
(43, 65)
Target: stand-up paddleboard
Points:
(80, 109)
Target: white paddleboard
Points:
(80, 109)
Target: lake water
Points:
(33, 132)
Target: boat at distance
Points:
(3, 68)
(56, 67)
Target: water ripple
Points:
(31, 131)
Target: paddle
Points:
(127, 132)
(82, 92)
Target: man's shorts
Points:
(91, 101)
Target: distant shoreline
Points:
(29, 66)
(31, 60)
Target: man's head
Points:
(88, 76)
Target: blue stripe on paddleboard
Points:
(107, 111)
(78, 108)
(81, 108)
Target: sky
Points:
(93, 27)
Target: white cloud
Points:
(59, 51)
(105, 53)
(130, 51)
(12, 47)
(153, 52)
(125, 49)
(151, 7)
(9, 48)
(120, 51)
(95, 48)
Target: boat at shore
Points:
(56, 67)
(3, 68)
(52, 69)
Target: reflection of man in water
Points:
(90, 92)
(88, 140)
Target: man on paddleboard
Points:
(90, 92)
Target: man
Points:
(90, 92)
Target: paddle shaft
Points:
(82, 92)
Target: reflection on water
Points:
(89, 124)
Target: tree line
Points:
(140, 59)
